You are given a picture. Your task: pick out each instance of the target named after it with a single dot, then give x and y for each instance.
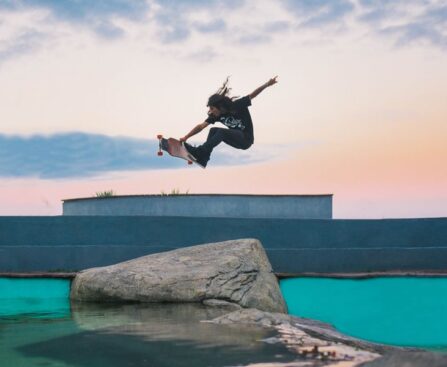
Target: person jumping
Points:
(231, 112)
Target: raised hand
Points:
(272, 81)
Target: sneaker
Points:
(202, 160)
(191, 150)
(198, 154)
(202, 156)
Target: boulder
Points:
(235, 271)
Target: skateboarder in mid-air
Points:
(231, 112)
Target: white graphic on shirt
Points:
(232, 123)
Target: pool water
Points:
(39, 327)
(34, 297)
(403, 311)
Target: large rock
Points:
(235, 271)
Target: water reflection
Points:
(146, 335)
(166, 322)
(45, 308)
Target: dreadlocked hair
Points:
(224, 90)
(221, 99)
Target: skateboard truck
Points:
(161, 148)
(160, 152)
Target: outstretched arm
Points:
(262, 87)
(197, 129)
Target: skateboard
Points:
(175, 148)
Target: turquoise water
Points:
(400, 311)
(39, 327)
(34, 297)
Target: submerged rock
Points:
(313, 329)
(321, 345)
(409, 359)
(235, 271)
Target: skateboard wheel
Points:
(160, 153)
(189, 162)
(159, 136)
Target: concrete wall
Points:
(221, 206)
(293, 245)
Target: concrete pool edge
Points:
(416, 274)
(366, 275)
(51, 275)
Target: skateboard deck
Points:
(175, 148)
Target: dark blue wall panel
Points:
(293, 245)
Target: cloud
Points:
(253, 39)
(20, 32)
(276, 26)
(8, 4)
(71, 155)
(85, 11)
(407, 22)
(24, 43)
(172, 32)
(204, 55)
(30, 25)
(213, 26)
(174, 17)
(416, 32)
(404, 21)
(319, 13)
(237, 23)
(79, 154)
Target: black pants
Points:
(217, 135)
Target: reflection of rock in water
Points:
(243, 329)
(167, 322)
(156, 335)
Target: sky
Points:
(359, 110)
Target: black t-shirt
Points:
(238, 119)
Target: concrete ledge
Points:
(206, 205)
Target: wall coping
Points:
(201, 195)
